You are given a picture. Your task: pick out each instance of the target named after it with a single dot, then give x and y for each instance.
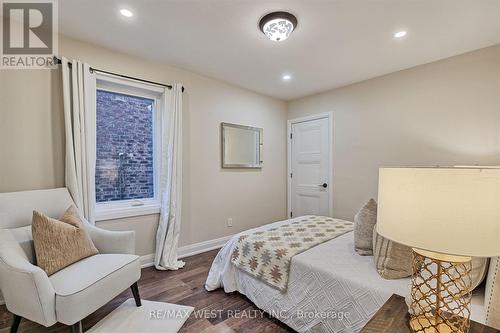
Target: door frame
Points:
(290, 122)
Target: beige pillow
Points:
(492, 294)
(479, 271)
(392, 260)
(364, 222)
(60, 243)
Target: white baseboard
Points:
(189, 250)
(147, 260)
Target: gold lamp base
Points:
(418, 323)
(440, 294)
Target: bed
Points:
(330, 287)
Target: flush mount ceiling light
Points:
(286, 77)
(126, 12)
(400, 34)
(278, 26)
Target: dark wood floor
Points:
(184, 287)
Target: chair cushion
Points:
(88, 284)
(59, 243)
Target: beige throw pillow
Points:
(479, 271)
(392, 260)
(364, 222)
(60, 243)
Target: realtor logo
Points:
(29, 33)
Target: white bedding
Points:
(325, 283)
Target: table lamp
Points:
(447, 215)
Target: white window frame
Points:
(135, 207)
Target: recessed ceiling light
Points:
(278, 26)
(126, 12)
(286, 77)
(400, 34)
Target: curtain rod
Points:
(58, 61)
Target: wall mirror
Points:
(241, 146)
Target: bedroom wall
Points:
(32, 147)
(442, 113)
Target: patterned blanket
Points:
(266, 255)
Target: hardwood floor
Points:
(186, 287)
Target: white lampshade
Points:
(446, 210)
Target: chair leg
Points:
(15, 324)
(135, 292)
(77, 327)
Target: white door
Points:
(310, 168)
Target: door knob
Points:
(324, 185)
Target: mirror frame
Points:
(223, 150)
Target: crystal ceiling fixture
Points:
(125, 12)
(278, 26)
(400, 34)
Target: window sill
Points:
(123, 212)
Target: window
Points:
(127, 148)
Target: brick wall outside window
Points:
(124, 166)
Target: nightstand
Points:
(393, 317)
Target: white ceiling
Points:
(337, 42)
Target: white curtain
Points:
(79, 96)
(167, 236)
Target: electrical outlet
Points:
(230, 222)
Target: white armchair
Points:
(74, 292)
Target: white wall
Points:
(32, 148)
(447, 112)
(442, 113)
(31, 136)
